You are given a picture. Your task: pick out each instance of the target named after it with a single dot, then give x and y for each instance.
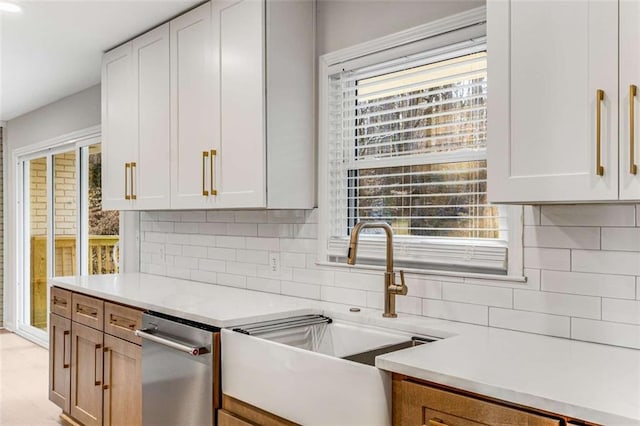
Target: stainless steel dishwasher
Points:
(180, 371)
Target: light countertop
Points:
(587, 381)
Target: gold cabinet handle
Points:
(213, 154)
(97, 354)
(133, 194)
(205, 155)
(633, 168)
(436, 422)
(65, 349)
(126, 179)
(60, 302)
(107, 369)
(599, 99)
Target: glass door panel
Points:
(37, 199)
(103, 254)
(65, 214)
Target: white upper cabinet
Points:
(118, 128)
(151, 74)
(629, 104)
(193, 135)
(135, 123)
(553, 101)
(219, 110)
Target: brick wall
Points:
(64, 193)
(582, 265)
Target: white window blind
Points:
(407, 145)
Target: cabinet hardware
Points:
(205, 155)
(633, 168)
(96, 377)
(65, 364)
(436, 422)
(213, 154)
(87, 310)
(107, 371)
(599, 99)
(126, 179)
(61, 302)
(133, 166)
(122, 322)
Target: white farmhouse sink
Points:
(300, 376)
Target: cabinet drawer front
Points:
(442, 408)
(87, 310)
(122, 321)
(61, 302)
(228, 419)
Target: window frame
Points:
(464, 30)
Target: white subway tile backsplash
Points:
(463, 312)
(562, 237)
(589, 215)
(582, 265)
(623, 239)
(618, 286)
(606, 262)
(531, 322)
(531, 215)
(618, 310)
(478, 295)
(263, 284)
(611, 333)
(557, 303)
(260, 257)
(245, 229)
(307, 291)
(346, 296)
(547, 258)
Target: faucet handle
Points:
(402, 288)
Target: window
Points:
(405, 143)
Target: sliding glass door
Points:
(62, 228)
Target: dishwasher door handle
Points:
(179, 346)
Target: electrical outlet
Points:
(274, 263)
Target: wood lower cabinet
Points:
(122, 382)
(419, 403)
(238, 413)
(95, 376)
(86, 374)
(60, 361)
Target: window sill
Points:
(481, 276)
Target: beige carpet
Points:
(24, 381)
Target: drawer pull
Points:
(87, 311)
(65, 349)
(436, 422)
(213, 154)
(126, 180)
(133, 194)
(205, 155)
(122, 322)
(59, 302)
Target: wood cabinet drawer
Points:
(423, 405)
(87, 310)
(61, 302)
(122, 321)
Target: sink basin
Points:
(314, 375)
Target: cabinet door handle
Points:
(133, 194)
(599, 99)
(633, 168)
(65, 349)
(436, 422)
(213, 154)
(205, 154)
(97, 377)
(107, 368)
(126, 179)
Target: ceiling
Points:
(54, 48)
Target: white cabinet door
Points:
(192, 103)
(629, 104)
(241, 155)
(151, 78)
(118, 128)
(547, 59)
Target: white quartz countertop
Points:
(586, 381)
(215, 305)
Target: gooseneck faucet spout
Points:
(391, 289)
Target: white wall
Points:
(76, 112)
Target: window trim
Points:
(438, 33)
